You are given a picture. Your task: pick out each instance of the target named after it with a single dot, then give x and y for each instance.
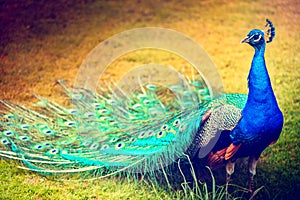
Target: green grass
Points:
(42, 42)
(179, 184)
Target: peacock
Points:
(260, 121)
(111, 131)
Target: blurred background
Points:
(44, 41)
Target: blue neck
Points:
(259, 84)
(262, 120)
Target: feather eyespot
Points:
(8, 116)
(142, 135)
(47, 144)
(24, 138)
(141, 97)
(9, 124)
(112, 102)
(196, 83)
(176, 123)
(70, 123)
(182, 127)
(114, 139)
(94, 146)
(73, 111)
(90, 115)
(25, 126)
(104, 112)
(48, 131)
(161, 134)
(202, 91)
(119, 146)
(97, 106)
(38, 146)
(150, 133)
(104, 147)
(8, 133)
(53, 151)
(164, 127)
(4, 141)
(151, 87)
(137, 106)
(86, 143)
(146, 102)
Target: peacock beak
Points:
(246, 40)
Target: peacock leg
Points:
(252, 171)
(229, 171)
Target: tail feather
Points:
(108, 130)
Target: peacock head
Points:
(255, 38)
(258, 38)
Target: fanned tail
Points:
(107, 130)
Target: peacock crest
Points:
(269, 31)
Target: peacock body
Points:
(261, 120)
(111, 131)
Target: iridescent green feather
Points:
(143, 132)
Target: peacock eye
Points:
(256, 37)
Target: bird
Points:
(260, 121)
(108, 132)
